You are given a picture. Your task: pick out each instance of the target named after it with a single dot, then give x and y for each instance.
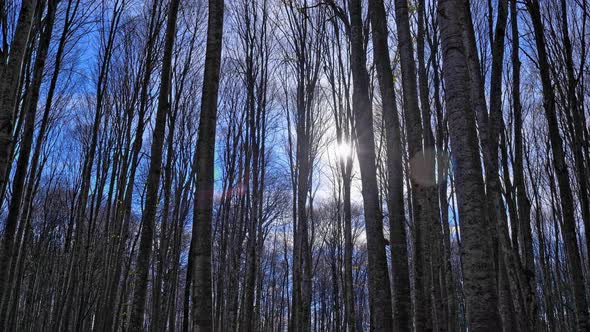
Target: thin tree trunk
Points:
(9, 83)
(10, 75)
(379, 296)
(566, 199)
(421, 173)
(523, 203)
(402, 303)
(154, 173)
(578, 127)
(123, 215)
(18, 183)
(496, 208)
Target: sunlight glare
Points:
(344, 150)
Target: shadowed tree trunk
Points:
(18, 184)
(438, 277)
(204, 162)
(120, 229)
(523, 203)
(496, 208)
(10, 75)
(421, 173)
(339, 80)
(577, 116)
(306, 46)
(402, 303)
(154, 173)
(490, 128)
(379, 290)
(574, 260)
(451, 300)
(36, 163)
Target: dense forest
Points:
(294, 165)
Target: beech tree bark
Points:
(479, 281)
(10, 76)
(577, 117)
(421, 172)
(379, 296)
(285, 243)
(402, 303)
(30, 107)
(9, 82)
(204, 163)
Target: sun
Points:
(343, 150)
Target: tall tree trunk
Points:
(489, 128)
(379, 296)
(496, 208)
(205, 158)
(158, 310)
(9, 82)
(443, 175)
(440, 298)
(402, 303)
(122, 217)
(421, 172)
(523, 203)
(566, 198)
(154, 173)
(578, 126)
(18, 183)
(344, 135)
(10, 75)
(306, 70)
(478, 268)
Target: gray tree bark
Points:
(421, 173)
(204, 163)
(379, 296)
(10, 75)
(154, 174)
(18, 183)
(402, 303)
(9, 82)
(478, 268)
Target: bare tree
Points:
(154, 174)
(395, 204)
(10, 76)
(11, 80)
(566, 200)
(296, 118)
(477, 264)
(204, 161)
(379, 296)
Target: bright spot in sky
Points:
(343, 150)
